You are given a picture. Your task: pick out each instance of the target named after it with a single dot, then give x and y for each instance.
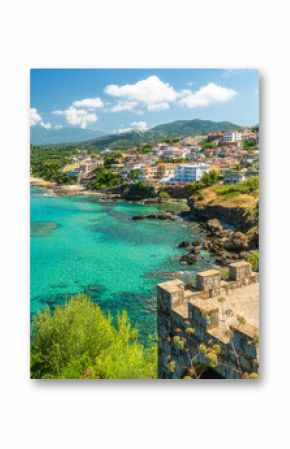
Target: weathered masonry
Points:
(220, 312)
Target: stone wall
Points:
(202, 310)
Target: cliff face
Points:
(240, 217)
(238, 210)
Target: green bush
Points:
(253, 258)
(163, 195)
(200, 197)
(78, 341)
(224, 274)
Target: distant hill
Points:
(42, 136)
(181, 128)
(124, 140)
(186, 128)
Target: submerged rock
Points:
(161, 216)
(42, 228)
(138, 217)
(184, 244)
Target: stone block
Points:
(170, 293)
(238, 271)
(208, 280)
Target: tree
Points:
(103, 177)
(253, 258)
(214, 176)
(251, 184)
(209, 178)
(134, 174)
(206, 144)
(112, 159)
(78, 341)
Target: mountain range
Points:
(179, 128)
(97, 139)
(42, 136)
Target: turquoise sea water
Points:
(81, 245)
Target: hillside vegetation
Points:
(78, 341)
(245, 194)
(234, 203)
(186, 128)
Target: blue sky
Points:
(116, 100)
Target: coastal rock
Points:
(206, 244)
(194, 250)
(243, 255)
(239, 242)
(184, 244)
(214, 225)
(138, 217)
(190, 259)
(253, 236)
(221, 261)
(162, 216)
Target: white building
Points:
(175, 153)
(232, 137)
(234, 177)
(187, 173)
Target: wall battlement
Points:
(220, 312)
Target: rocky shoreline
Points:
(228, 245)
(79, 189)
(69, 190)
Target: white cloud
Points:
(124, 106)
(206, 95)
(158, 106)
(92, 103)
(46, 125)
(151, 93)
(77, 117)
(58, 126)
(141, 126)
(81, 112)
(36, 119)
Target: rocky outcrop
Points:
(226, 244)
(240, 217)
(193, 251)
(162, 216)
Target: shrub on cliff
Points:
(78, 341)
(253, 259)
(249, 186)
(163, 195)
